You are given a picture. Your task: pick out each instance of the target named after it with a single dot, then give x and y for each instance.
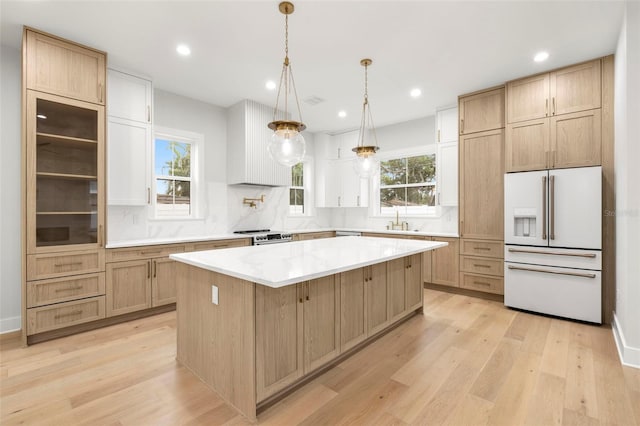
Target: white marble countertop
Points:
(279, 265)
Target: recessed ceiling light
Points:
(183, 49)
(415, 93)
(342, 114)
(541, 56)
(270, 85)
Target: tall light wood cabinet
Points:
(63, 182)
(481, 111)
(554, 119)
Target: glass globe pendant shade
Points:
(287, 146)
(366, 164)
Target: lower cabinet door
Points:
(444, 263)
(321, 321)
(396, 288)
(51, 317)
(279, 339)
(413, 282)
(377, 296)
(352, 307)
(163, 285)
(128, 287)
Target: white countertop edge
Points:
(184, 258)
(174, 240)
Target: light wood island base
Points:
(259, 343)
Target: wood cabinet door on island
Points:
(377, 296)
(413, 282)
(352, 307)
(321, 321)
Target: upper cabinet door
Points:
(63, 68)
(447, 125)
(575, 88)
(482, 111)
(527, 146)
(129, 97)
(528, 98)
(576, 140)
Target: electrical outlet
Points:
(214, 294)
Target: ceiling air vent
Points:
(313, 100)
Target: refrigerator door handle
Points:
(553, 253)
(544, 207)
(544, 271)
(552, 208)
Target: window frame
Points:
(432, 211)
(196, 140)
(307, 188)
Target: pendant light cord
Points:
(366, 111)
(285, 76)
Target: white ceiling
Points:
(446, 48)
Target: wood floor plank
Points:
(464, 362)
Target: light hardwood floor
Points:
(467, 361)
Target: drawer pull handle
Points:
(482, 248)
(482, 283)
(544, 271)
(70, 314)
(478, 265)
(553, 253)
(60, 265)
(151, 251)
(78, 287)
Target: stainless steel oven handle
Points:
(573, 274)
(553, 253)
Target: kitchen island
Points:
(254, 322)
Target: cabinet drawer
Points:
(136, 253)
(314, 235)
(51, 317)
(483, 283)
(46, 292)
(222, 244)
(482, 248)
(40, 266)
(482, 265)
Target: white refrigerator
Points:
(553, 242)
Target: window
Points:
(174, 174)
(296, 190)
(408, 185)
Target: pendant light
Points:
(366, 163)
(287, 145)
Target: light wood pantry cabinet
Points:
(60, 67)
(481, 111)
(481, 185)
(567, 90)
(64, 184)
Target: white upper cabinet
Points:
(342, 186)
(129, 97)
(447, 125)
(248, 161)
(447, 156)
(129, 133)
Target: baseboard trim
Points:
(629, 356)
(10, 335)
(11, 324)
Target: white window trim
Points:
(374, 209)
(197, 178)
(307, 186)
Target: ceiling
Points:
(445, 48)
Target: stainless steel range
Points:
(266, 236)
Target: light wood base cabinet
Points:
(444, 263)
(59, 315)
(128, 287)
(313, 235)
(482, 265)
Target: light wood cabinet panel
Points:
(64, 68)
(493, 249)
(377, 296)
(313, 235)
(444, 263)
(576, 139)
(46, 292)
(413, 282)
(128, 287)
(427, 269)
(482, 186)
(51, 265)
(576, 88)
(484, 283)
(220, 244)
(279, 338)
(527, 146)
(321, 321)
(481, 112)
(481, 265)
(163, 283)
(352, 307)
(147, 252)
(396, 288)
(52, 317)
(528, 98)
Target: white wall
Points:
(10, 173)
(627, 178)
(409, 135)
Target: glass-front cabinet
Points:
(65, 173)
